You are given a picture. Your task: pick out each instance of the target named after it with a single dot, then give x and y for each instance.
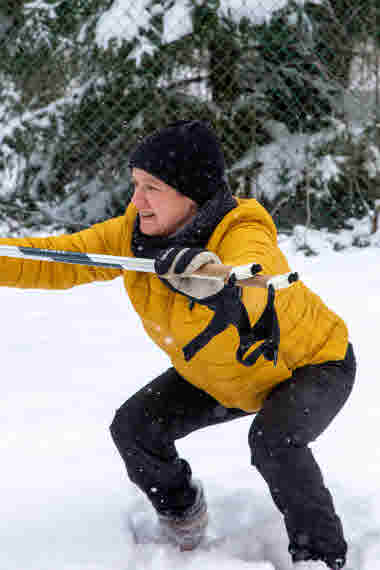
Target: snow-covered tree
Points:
(81, 81)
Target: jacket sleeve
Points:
(253, 242)
(103, 238)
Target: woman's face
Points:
(162, 209)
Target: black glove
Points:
(176, 265)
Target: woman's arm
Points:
(104, 238)
(253, 242)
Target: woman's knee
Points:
(261, 447)
(133, 425)
(128, 423)
(121, 428)
(270, 446)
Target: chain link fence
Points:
(291, 88)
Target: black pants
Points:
(295, 413)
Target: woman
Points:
(285, 360)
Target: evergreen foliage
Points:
(339, 181)
(72, 108)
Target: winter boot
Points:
(304, 559)
(310, 565)
(187, 531)
(336, 564)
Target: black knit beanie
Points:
(187, 156)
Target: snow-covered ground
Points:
(69, 359)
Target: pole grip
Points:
(219, 271)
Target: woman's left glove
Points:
(176, 265)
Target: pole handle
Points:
(223, 272)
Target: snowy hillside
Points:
(69, 359)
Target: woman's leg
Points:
(295, 414)
(146, 427)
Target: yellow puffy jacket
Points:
(310, 332)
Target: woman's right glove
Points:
(176, 264)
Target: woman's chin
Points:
(149, 227)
